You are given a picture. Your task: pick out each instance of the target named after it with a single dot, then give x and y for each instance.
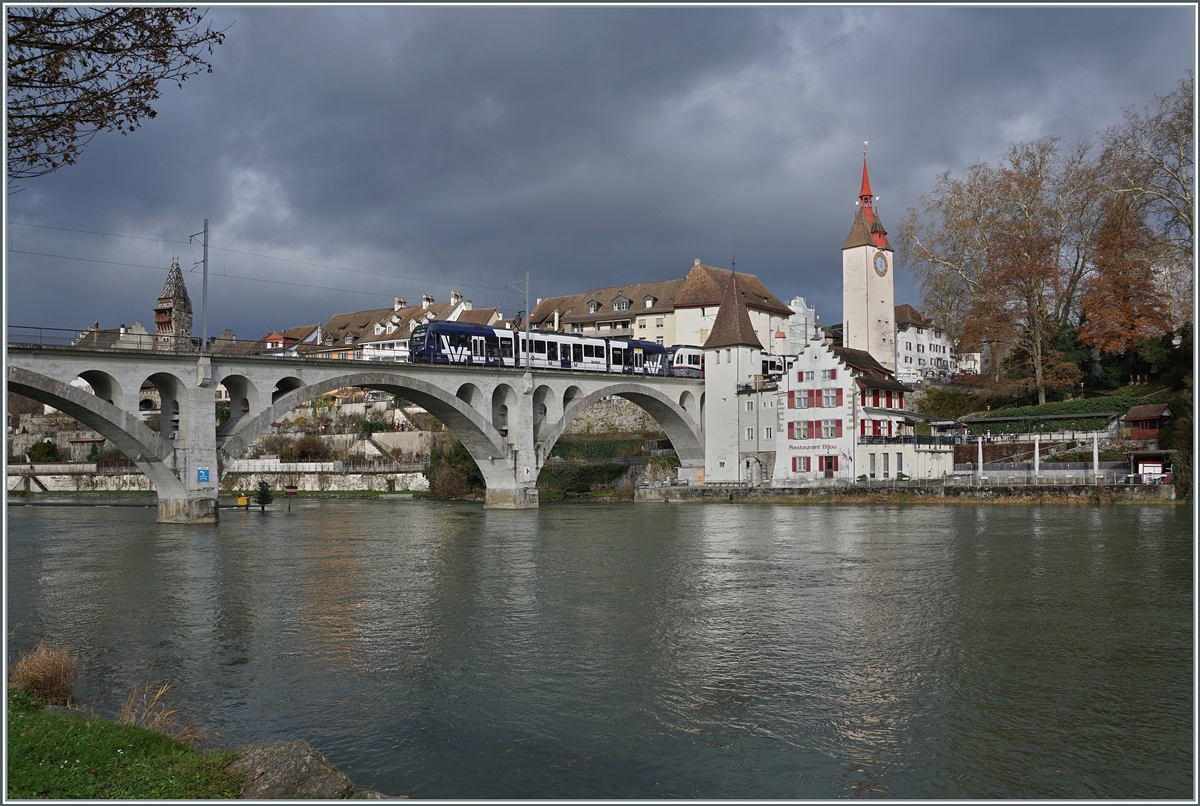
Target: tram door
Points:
(639, 361)
(477, 350)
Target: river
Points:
(440, 650)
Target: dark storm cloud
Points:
(466, 146)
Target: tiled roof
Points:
(706, 285)
(479, 316)
(662, 292)
(908, 315)
(174, 289)
(859, 359)
(873, 380)
(732, 326)
(544, 310)
(1149, 411)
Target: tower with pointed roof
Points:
(739, 414)
(868, 293)
(173, 313)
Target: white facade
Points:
(868, 302)
(740, 416)
(815, 440)
(924, 352)
(692, 326)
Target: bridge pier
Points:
(193, 509)
(524, 496)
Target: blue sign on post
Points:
(201, 474)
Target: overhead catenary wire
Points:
(231, 276)
(227, 250)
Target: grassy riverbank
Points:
(52, 755)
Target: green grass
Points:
(52, 756)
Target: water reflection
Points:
(636, 651)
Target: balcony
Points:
(919, 441)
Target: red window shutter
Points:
(791, 400)
(889, 399)
(839, 397)
(791, 430)
(800, 377)
(812, 399)
(875, 398)
(808, 464)
(862, 427)
(835, 463)
(889, 428)
(833, 374)
(863, 397)
(820, 463)
(839, 427)
(899, 400)
(795, 464)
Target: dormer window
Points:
(349, 339)
(593, 307)
(378, 329)
(620, 304)
(391, 329)
(329, 341)
(650, 302)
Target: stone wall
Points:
(616, 415)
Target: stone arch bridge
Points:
(508, 419)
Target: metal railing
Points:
(909, 440)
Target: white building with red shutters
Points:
(841, 413)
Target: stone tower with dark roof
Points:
(868, 294)
(733, 387)
(173, 313)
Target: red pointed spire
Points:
(865, 193)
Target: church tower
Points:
(173, 313)
(868, 294)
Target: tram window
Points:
(589, 351)
(506, 348)
(628, 355)
(577, 353)
(694, 360)
(616, 355)
(524, 346)
(493, 346)
(539, 346)
(551, 351)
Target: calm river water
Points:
(612, 651)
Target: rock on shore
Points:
(292, 770)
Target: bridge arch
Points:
(104, 386)
(243, 402)
(472, 428)
(148, 450)
(681, 428)
(289, 384)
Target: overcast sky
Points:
(414, 150)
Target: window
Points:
(649, 302)
(593, 307)
(750, 433)
(831, 428)
(829, 398)
(378, 328)
(871, 474)
(899, 463)
(641, 324)
(768, 433)
(658, 340)
(620, 304)
(749, 405)
(885, 465)
(828, 375)
(391, 329)
(660, 321)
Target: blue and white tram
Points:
(477, 345)
(685, 361)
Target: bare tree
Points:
(77, 71)
(1150, 158)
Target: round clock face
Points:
(880, 264)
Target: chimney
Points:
(455, 297)
(556, 319)
(468, 305)
(426, 301)
(399, 303)
(122, 329)
(697, 263)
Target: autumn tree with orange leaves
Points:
(1121, 304)
(1061, 246)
